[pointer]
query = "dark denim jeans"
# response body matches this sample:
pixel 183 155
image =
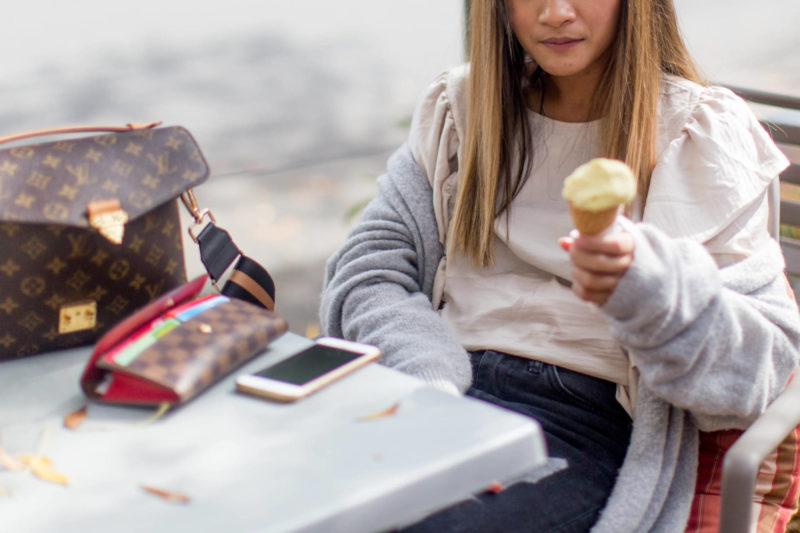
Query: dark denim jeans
pixel 583 424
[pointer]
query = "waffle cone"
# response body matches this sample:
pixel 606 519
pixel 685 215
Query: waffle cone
pixel 592 222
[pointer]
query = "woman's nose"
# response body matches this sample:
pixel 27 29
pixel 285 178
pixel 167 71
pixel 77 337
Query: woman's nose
pixel 557 12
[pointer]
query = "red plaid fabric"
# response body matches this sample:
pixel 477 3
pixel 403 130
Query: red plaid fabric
pixel 777 485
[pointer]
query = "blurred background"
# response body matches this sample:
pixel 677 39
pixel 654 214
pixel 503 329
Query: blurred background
pixel 297 105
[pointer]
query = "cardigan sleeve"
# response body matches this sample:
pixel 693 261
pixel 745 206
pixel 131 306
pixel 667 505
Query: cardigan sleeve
pixel 378 284
pixel 718 342
pixel 703 311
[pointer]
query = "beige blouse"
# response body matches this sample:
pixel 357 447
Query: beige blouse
pixel 711 151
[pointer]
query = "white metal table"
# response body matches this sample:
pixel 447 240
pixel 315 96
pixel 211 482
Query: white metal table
pixel 248 464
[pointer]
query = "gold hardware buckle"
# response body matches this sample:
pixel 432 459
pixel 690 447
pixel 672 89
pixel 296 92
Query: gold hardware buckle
pixel 199 224
pixel 190 202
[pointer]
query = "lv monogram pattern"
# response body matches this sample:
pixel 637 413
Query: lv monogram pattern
pixel 51 266
pixel 50 257
pixel 200 351
pixel 52 183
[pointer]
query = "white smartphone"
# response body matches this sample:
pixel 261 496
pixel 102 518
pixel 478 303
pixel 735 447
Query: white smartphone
pixel 307 371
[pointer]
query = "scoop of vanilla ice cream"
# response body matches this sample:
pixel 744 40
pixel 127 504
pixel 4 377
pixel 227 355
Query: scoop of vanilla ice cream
pixel 599 184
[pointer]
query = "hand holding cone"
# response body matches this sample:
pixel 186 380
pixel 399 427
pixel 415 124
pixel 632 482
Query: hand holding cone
pixel 595 191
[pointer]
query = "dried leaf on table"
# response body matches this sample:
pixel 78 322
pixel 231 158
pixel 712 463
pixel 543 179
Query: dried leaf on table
pixel 312 330
pixel 162 408
pixel 380 414
pixel 42 468
pixel 170 496
pixel 494 487
pixel 8 462
pixel 75 418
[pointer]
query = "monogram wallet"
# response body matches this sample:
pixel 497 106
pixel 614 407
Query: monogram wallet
pixel 177 346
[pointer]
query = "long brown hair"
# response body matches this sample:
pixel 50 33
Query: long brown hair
pixel 496 157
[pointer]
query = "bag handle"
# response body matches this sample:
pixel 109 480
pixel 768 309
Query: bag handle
pixel 80 129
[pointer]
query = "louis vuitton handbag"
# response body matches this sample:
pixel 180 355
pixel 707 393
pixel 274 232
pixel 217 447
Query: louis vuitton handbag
pixel 90 232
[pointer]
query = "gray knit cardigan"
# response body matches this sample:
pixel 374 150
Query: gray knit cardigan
pixel 712 346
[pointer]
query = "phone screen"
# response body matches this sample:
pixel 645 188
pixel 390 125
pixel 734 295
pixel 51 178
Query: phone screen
pixel 308 364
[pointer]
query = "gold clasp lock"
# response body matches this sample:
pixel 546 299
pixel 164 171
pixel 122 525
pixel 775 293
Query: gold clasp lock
pixel 77 316
pixel 108 218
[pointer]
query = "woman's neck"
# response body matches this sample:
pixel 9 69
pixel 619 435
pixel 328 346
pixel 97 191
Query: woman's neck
pixel 566 100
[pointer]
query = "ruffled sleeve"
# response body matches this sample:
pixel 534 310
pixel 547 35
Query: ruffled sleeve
pixel 715 163
pixel 434 139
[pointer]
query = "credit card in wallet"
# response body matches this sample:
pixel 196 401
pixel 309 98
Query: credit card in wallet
pixel 160 328
pixel 112 353
pixel 192 309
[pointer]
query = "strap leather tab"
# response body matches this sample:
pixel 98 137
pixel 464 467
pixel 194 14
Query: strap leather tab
pixel 248 280
pixel 217 250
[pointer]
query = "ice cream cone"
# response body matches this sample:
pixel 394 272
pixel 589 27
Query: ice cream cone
pixel 593 222
pixel 595 191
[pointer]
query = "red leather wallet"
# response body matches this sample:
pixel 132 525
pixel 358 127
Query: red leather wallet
pixel 177 346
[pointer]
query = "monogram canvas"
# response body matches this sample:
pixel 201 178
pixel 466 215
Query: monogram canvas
pixel 199 352
pixel 64 280
pixel 55 267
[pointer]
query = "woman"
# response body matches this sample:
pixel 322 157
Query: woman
pixel 681 323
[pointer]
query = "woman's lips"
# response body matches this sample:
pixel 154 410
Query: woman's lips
pixel 561 43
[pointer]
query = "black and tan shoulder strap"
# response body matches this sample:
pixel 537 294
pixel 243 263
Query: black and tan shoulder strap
pixel 247 279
